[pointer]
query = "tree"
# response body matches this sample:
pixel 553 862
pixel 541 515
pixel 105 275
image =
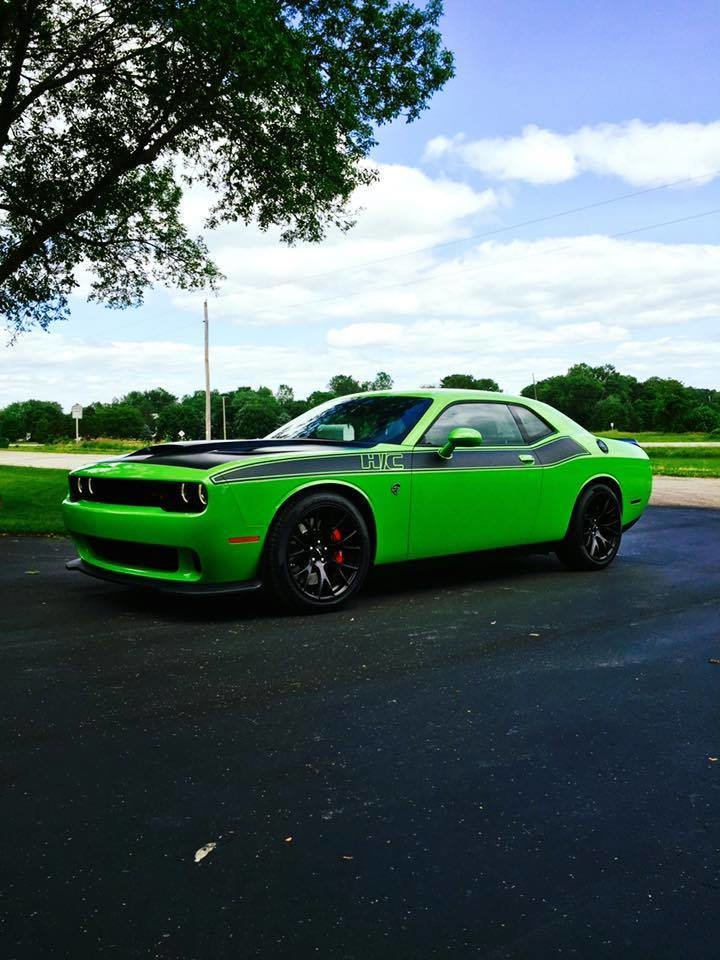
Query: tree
pixel 382 381
pixel 703 417
pixel 272 104
pixel 664 404
pixel 466 381
pixel 341 385
pixel 42 419
pixel 610 411
pixel 118 420
pixel 150 402
pixel 188 415
pixel 285 395
pixel 255 415
pixel 319 396
pixel 486 383
pixel 575 393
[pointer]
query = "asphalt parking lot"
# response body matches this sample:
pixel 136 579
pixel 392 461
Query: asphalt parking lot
pixel 484 757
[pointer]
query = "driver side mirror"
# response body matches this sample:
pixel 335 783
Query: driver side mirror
pixel 460 437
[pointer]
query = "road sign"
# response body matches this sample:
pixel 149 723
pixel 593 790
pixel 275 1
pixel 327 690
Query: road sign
pixel 77 411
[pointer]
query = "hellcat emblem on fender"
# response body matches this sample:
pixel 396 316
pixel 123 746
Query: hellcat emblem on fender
pixel 382 461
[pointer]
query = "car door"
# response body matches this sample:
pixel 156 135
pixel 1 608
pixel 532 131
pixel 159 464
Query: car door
pixel 483 497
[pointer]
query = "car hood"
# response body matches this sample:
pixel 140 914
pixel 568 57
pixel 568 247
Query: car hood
pixel 216 456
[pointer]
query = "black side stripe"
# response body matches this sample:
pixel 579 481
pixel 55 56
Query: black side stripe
pixel 549 454
pixel 557 451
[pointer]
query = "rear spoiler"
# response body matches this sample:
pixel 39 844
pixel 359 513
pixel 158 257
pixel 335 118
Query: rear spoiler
pixel 629 440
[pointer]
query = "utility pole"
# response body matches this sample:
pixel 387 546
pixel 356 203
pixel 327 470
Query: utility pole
pixel 534 387
pixel 224 420
pixel 207 372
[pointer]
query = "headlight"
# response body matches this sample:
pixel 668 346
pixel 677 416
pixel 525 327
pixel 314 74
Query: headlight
pixel 188 498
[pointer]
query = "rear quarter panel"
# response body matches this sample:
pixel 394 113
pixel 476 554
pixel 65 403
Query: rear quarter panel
pixel 626 464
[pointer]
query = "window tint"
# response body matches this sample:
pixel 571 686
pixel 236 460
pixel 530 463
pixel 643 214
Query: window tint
pixel 535 428
pixel 373 419
pixel 494 421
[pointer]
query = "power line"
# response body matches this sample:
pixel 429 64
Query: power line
pixel 480 236
pixel 487 266
pixel 513 226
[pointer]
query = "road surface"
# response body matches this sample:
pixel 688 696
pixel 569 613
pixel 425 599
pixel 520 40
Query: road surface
pixel 480 758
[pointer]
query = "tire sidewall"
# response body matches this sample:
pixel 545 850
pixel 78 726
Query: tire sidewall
pixel 574 546
pixel 276 566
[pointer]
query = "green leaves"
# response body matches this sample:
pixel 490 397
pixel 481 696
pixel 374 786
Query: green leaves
pixel 271 104
pixel 599 396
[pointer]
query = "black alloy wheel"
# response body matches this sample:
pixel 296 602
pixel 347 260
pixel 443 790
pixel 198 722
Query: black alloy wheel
pixel 318 552
pixel 595 531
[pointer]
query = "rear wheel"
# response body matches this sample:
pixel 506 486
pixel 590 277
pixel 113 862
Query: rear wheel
pixel 595 531
pixel 318 553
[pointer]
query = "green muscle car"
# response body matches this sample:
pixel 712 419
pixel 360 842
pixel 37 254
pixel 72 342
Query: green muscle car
pixel 361 480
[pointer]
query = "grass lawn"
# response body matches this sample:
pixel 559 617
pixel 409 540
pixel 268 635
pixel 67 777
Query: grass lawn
pixel 30 500
pixel 85 446
pixel 685 461
pixel 649 437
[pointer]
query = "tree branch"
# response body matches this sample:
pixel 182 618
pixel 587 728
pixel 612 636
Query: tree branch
pixel 54 82
pixel 20 49
pixel 144 154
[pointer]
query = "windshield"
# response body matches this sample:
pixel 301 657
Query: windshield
pixel 363 419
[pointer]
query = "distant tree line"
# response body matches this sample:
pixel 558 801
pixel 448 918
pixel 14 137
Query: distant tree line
pixel 594 396
pixel 158 415
pixel 600 396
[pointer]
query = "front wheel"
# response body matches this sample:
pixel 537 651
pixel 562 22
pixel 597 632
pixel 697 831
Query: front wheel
pixel 318 552
pixel 593 537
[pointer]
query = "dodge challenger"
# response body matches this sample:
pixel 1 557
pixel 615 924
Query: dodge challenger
pixel 360 481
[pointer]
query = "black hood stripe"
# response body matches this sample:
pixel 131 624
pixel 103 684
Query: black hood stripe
pixel 204 455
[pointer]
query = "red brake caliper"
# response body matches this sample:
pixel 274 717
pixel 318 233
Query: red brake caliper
pixel 336 536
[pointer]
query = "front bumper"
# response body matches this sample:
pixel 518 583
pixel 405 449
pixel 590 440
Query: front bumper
pixel 215 548
pixel 163 586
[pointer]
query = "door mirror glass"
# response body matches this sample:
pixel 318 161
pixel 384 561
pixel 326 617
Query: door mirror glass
pixel 460 437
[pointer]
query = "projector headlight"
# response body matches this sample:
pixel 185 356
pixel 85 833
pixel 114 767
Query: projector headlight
pixel 188 498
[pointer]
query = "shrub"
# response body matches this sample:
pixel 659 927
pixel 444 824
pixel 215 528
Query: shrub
pixel 4 443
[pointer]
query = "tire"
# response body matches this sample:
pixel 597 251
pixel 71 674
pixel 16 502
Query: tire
pixel 318 553
pixel 595 530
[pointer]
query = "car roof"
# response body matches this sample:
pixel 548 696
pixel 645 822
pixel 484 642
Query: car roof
pixel 442 393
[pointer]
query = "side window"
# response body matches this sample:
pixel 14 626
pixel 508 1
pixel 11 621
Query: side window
pixel 494 421
pixel 533 426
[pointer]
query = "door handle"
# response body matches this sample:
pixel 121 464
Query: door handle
pixel 526 458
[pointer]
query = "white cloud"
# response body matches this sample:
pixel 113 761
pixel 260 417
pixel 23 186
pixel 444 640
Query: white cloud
pixel 642 154
pixel 405 211
pixel 56 366
pixel 385 296
pixel 549 281
pixel 456 336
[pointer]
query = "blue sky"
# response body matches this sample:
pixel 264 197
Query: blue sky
pixel 554 106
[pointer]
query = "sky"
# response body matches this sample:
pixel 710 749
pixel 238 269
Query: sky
pixel 470 253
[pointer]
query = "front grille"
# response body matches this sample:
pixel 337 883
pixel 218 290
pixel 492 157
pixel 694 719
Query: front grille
pixel 127 553
pixel 170 496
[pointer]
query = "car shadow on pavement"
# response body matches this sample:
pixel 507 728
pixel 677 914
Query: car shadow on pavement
pixel 384 583
pixel 468 570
